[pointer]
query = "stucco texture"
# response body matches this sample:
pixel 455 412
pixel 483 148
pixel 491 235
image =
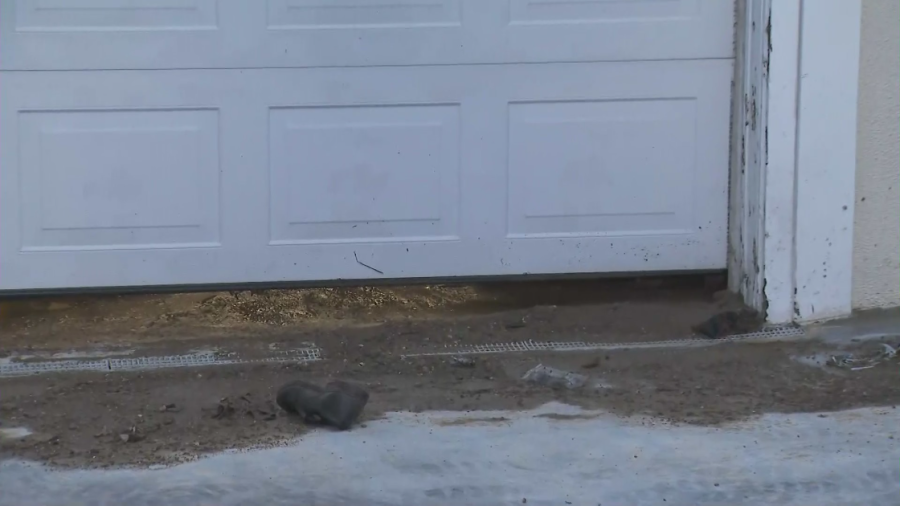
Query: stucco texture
pixel 876 244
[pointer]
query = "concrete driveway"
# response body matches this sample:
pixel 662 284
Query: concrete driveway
pixel 555 455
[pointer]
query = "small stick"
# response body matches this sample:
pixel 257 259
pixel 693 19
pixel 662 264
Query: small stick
pixel 366 265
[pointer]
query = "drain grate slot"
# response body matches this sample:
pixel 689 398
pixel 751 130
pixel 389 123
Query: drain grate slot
pixel 150 363
pixel 132 364
pixel 769 334
pixel 28 368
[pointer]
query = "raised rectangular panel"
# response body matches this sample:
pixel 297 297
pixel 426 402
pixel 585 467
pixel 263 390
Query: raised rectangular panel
pixel 111 15
pixel 601 168
pixel 618 30
pixel 362 13
pixel 581 11
pixel 364 174
pixel 118 179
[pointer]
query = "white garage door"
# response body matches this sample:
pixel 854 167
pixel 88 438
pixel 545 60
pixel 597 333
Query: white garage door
pixel 173 142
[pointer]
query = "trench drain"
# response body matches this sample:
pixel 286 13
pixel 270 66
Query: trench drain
pixel 303 355
pixel 773 333
pixel 150 363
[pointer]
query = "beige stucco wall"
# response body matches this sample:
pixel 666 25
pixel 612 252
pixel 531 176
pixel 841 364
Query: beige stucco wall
pixel 876 244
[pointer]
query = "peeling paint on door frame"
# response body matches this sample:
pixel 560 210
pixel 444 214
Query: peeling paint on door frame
pixel 792 164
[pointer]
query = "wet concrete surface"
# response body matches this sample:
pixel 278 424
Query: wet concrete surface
pixel 555 455
pixel 872 325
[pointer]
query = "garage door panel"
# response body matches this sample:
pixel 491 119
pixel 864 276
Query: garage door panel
pixel 75 15
pixel 170 34
pixel 614 30
pixel 602 167
pixel 319 14
pixel 106 179
pixel 590 11
pixel 400 181
pixel 85 34
pixel 467 179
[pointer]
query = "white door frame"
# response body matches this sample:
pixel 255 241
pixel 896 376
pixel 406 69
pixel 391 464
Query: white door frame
pixel 793 161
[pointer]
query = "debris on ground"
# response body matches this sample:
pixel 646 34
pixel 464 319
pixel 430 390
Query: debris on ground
pixel 555 378
pixel 462 361
pixel 223 409
pixel 864 360
pixel 44 438
pixel 592 364
pixel 729 323
pixel 601 384
pixel 131 436
pixel 338 404
pixel 516 324
pixel 226 408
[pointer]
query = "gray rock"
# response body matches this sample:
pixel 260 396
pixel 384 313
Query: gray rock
pixel 555 378
pixel 338 404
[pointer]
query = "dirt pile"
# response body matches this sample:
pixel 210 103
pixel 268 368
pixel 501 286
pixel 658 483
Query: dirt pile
pixel 284 307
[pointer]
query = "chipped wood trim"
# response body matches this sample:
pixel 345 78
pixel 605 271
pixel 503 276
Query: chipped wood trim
pixel 793 156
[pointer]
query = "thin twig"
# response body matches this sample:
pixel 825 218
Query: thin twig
pixel 366 265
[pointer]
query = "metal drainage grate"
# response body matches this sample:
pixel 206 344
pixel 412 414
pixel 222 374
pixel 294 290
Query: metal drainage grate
pixel 769 334
pixel 290 356
pixel 28 368
pixel 149 363
pixel 195 360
